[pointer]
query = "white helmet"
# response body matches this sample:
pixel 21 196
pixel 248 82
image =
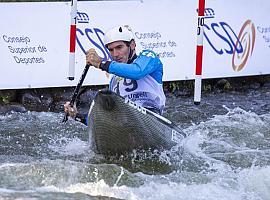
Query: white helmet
pixel 118 33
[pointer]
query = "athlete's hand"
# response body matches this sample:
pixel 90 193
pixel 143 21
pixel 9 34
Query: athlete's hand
pixel 70 110
pixel 92 58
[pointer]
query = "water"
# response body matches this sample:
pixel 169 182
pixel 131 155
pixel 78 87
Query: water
pixel 225 156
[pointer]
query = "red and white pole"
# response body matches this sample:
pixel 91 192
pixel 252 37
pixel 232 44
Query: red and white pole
pixel 72 42
pixel 199 53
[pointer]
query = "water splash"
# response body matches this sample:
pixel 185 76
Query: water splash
pixel 224 157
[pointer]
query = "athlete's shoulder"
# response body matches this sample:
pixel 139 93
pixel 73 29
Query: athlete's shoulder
pixel 149 53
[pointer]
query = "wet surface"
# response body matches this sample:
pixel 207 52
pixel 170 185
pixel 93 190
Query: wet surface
pixel 225 156
pixel 183 110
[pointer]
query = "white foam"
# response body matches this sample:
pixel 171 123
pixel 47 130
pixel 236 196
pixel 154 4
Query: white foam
pixel 248 184
pixel 67 146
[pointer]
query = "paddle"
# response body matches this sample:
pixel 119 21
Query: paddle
pixel 76 91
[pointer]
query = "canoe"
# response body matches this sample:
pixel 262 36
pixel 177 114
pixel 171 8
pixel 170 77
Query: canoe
pixel 118 126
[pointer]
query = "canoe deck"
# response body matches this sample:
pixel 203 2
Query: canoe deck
pixel 118 126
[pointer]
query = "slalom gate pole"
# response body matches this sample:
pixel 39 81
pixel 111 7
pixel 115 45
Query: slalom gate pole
pixel 73 21
pixel 199 53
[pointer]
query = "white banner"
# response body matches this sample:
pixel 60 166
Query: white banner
pixel 237 38
pixel 34 38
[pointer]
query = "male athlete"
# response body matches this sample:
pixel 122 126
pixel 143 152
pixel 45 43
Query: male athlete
pixel 138 78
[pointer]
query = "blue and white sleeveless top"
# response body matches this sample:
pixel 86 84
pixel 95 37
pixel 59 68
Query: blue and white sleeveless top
pixel 140 81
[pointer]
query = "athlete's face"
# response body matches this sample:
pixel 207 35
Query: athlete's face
pixel 120 51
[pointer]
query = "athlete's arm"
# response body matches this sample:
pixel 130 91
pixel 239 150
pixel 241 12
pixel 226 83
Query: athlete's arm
pixel 146 63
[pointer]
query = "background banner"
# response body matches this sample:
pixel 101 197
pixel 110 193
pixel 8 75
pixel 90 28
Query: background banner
pixel 34 38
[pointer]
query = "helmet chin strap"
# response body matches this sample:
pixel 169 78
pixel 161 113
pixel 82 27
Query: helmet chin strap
pixel 131 56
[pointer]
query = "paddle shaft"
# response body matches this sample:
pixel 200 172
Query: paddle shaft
pixel 76 91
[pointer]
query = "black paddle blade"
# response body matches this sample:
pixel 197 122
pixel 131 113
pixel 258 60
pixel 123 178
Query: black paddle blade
pixel 65 118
